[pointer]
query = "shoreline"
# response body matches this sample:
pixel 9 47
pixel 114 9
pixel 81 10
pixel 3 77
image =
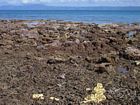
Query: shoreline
pixel 71 21
pixel 66 60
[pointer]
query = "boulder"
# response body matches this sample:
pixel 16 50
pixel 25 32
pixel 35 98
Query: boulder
pixel 132 53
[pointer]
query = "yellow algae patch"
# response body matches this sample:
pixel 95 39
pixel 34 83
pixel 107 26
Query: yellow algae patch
pixel 99 89
pixel 97 94
pixel 38 96
pixel 55 99
pixel 137 63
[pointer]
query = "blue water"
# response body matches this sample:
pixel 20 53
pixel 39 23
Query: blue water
pixel 92 16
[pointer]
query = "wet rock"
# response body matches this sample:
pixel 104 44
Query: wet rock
pixel 123 70
pixel 132 34
pixel 112 39
pixel 104 59
pixel 31 34
pixel 1 44
pixel 62 76
pixel 4 86
pixel 89 59
pixel 56 60
pixel 68 43
pixel 104 68
pixel 55 43
pixel 77 41
pixel 33 24
pixel 40 47
pixel 130 42
pixel 138 98
pixel 90 67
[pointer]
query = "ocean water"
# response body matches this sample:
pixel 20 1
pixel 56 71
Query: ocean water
pixel 90 16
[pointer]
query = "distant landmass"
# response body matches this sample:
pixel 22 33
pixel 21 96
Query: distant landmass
pixel 45 7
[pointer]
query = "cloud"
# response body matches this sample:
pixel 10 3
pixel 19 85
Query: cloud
pixel 72 2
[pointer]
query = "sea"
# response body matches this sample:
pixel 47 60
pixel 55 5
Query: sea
pixel 89 15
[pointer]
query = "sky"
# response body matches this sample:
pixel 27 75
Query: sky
pixel 73 2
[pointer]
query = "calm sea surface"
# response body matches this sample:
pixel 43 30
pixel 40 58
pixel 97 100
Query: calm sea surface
pixel 92 16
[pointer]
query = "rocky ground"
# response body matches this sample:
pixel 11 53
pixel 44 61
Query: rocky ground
pixel 64 61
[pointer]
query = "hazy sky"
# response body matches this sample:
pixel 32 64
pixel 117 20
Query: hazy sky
pixel 74 2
